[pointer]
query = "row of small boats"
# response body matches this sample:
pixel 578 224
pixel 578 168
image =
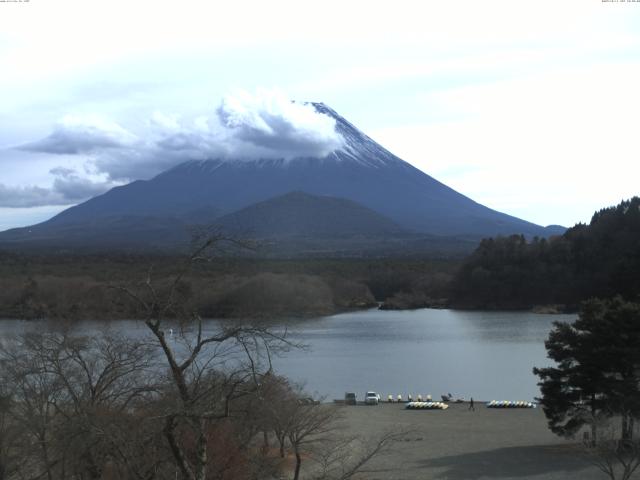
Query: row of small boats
pixel 509 404
pixel 491 404
pixel 427 406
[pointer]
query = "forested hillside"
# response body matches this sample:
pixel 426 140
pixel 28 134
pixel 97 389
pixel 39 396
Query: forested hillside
pixel 601 259
pixel 77 287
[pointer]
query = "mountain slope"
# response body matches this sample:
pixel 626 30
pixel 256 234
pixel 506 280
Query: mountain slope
pixel 299 214
pixel 134 232
pixel 361 171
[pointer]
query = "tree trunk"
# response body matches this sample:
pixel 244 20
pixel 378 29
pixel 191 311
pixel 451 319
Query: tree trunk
pixel 265 442
pixel 296 474
pixel 594 427
pixel 281 441
pixel 90 466
pixel 176 450
pixel 201 451
pixel 45 455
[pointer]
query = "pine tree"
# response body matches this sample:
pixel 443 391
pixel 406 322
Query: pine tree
pixel 598 369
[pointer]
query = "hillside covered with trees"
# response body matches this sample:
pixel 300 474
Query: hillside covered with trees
pixel 601 259
pixel 75 287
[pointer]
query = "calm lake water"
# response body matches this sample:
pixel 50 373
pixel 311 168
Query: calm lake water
pixel 487 355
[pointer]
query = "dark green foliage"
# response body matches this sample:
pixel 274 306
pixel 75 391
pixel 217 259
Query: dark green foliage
pixel 601 259
pixel 598 368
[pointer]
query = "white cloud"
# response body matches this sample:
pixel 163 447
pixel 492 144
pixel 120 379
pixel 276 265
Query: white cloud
pixel 29 196
pixel 165 122
pixel 68 188
pixel 74 188
pixel 82 134
pixel 269 120
pixel 245 126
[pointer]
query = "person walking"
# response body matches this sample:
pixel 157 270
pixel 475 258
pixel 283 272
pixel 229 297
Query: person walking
pixel 471 406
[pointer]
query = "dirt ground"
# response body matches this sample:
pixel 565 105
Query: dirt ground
pixel 458 444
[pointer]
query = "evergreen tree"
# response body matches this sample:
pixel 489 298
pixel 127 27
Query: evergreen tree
pixel 601 259
pixel 598 368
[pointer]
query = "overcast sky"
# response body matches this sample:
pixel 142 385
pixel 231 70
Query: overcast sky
pixel 530 108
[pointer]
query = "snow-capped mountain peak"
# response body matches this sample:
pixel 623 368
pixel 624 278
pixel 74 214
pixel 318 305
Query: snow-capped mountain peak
pixel 357 146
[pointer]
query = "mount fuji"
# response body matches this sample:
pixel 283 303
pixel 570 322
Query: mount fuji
pixel 397 199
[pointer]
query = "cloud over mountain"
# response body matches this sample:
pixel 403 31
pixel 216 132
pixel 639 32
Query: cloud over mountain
pixel 245 126
pixel 28 196
pixel 269 120
pixel 77 134
pixel 74 188
pixel 68 188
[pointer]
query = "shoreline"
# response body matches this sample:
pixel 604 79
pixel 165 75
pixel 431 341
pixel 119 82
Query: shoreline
pixel 286 317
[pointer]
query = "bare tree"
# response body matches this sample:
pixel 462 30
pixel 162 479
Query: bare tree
pixel 310 426
pixel 345 457
pixel 209 366
pixel 615 452
pixel 105 378
pixel 35 392
pixel 9 438
pixel 73 397
pixel 314 430
pixel 277 409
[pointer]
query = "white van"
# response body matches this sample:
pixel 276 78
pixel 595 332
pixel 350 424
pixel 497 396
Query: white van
pixel 372 398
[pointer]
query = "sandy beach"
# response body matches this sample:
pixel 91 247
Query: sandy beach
pixel 458 444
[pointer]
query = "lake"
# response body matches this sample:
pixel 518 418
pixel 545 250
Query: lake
pixel 487 355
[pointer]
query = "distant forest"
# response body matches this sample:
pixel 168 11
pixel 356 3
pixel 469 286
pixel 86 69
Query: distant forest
pixel 74 287
pixel 601 259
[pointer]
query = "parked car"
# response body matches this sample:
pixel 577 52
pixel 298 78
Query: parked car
pixel 372 398
pixel 350 398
